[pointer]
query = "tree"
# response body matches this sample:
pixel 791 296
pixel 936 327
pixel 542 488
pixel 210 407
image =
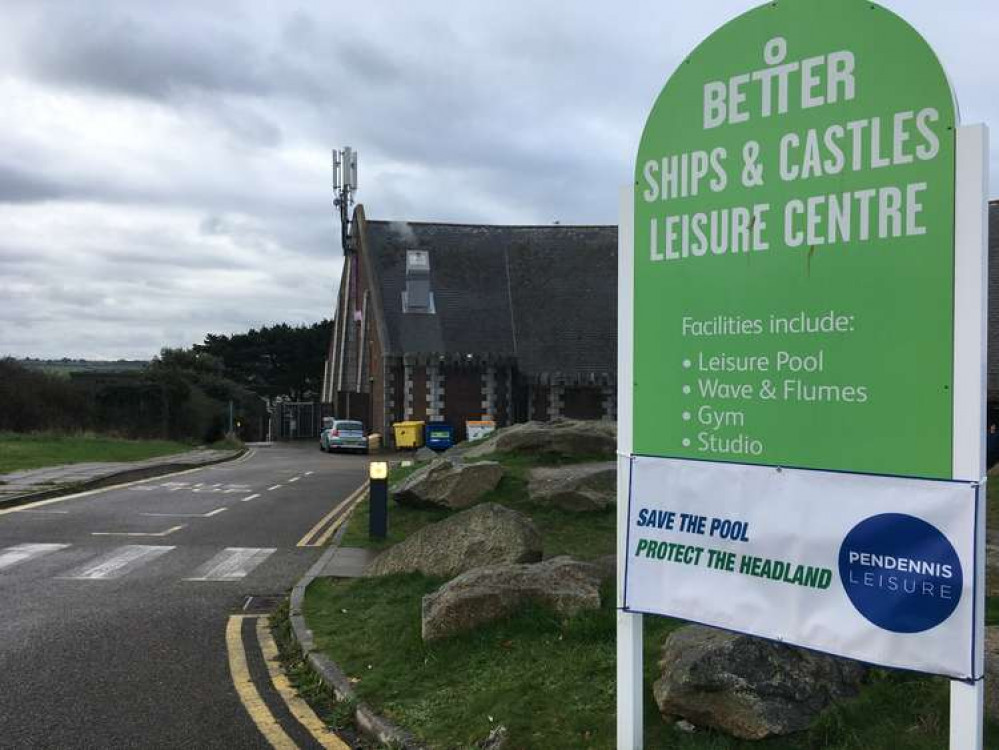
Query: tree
pixel 278 360
pixel 198 394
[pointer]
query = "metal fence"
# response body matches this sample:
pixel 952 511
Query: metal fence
pixel 299 420
pixel 294 420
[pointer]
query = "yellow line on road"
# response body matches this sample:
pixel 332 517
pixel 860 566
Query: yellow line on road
pixel 305 540
pixel 298 707
pixel 247 691
pixel 331 530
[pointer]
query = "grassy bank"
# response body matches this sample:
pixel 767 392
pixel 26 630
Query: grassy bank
pixel 583 535
pixel 19 452
pixel 550 680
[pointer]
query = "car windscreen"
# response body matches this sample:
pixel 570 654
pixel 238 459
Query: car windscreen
pixel 350 426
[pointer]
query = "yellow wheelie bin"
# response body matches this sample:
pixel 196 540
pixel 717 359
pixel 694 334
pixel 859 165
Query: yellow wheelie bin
pixel 408 435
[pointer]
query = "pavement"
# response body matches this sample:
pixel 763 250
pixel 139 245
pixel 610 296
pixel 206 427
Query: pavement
pixel 33 482
pixel 348 562
pixel 130 615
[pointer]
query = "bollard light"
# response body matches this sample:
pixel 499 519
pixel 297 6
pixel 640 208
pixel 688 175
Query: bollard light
pixel 378 500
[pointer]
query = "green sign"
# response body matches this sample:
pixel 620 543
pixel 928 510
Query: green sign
pixel 794 252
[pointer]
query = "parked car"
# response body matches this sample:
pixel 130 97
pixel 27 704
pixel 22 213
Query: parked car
pixel 343 435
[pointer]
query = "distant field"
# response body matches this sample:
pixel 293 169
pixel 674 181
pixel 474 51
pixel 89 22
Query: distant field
pixel 34 451
pixel 64 367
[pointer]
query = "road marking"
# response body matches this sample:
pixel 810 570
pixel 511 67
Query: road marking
pixel 294 479
pixel 246 457
pixel 271 489
pixel 298 707
pixel 309 472
pixel 138 533
pixel 22 552
pixel 200 488
pixel 332 528
pixel 185 515
pixel 46 512
pixel 360 495
pixel 307 540
pixel 118 562
pixel 232 564
pixel 247 691
pixel 123 485
pixel 249 498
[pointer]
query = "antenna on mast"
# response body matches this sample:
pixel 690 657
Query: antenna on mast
pixel 344 187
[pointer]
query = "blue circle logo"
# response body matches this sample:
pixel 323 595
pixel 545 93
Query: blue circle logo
pixel 900 573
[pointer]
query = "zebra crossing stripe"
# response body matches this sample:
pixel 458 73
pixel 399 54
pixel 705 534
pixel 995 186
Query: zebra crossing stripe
pixel 21 552
pixel 118 562
pixel 232 564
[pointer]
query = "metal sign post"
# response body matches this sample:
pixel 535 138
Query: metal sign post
pixel 629 624
pixel 971 275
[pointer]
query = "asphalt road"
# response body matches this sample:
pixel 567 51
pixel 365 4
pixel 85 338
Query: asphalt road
pixel 113 619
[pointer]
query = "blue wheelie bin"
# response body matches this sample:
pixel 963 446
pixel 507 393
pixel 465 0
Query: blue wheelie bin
pixel 439 436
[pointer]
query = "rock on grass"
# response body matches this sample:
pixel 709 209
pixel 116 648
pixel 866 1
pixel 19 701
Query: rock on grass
pixel 577 488
pixel 748 687
pixel 446 484
pixel 486 594
pixel 487 534
pixel 565 438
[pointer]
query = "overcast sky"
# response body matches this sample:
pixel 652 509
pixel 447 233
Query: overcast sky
pixel 164 167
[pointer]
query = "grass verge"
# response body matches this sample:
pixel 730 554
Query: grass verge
pixel 337 715
pixel 230 443
pixel 550 681
pixel 19 452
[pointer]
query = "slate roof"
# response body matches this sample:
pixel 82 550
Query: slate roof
pixel 545 296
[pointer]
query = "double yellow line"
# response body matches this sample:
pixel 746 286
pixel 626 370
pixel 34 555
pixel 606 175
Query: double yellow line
pixel 255 706
pixel 319 534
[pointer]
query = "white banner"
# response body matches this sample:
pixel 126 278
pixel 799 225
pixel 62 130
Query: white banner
pixel 878 569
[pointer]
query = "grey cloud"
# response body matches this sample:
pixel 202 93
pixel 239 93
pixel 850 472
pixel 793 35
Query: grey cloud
pixel 118 50
pixel 18 186
pixel 218 219
pixel 368 63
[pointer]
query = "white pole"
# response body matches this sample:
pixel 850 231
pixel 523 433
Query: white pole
pixel 970 345
pixel 629 626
